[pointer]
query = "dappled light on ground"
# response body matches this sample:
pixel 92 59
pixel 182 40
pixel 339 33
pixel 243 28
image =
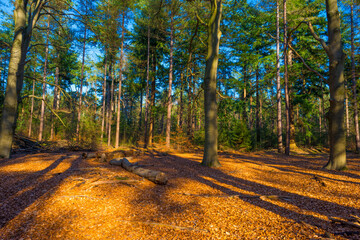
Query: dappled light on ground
pixel 252 196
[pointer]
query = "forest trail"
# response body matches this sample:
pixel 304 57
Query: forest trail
pixel 260 195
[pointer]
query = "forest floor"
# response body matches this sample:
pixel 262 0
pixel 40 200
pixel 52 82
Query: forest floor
pixel 260 195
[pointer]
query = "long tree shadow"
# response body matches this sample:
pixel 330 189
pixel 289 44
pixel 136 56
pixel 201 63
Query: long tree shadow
pixel 179 167
pixel 10 209
pixel 7 191
pixel 314 163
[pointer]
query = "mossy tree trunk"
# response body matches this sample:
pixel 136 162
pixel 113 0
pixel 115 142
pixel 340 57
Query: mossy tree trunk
pixel 211 132
pixel 22 36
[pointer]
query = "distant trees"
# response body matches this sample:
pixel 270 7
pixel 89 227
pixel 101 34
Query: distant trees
pixel 156 72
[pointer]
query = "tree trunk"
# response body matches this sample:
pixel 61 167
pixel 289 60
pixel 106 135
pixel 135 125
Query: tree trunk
pixel 110 109
pixel 356 113
pixel 146 134
pixel 152 175
pixel 337 160
pixel 104 102
pixel 152 103
pixel 278 81
pixel 257 113
pixel 347 114
pixel 52 132
pixel 42 114
pixel 117 137
pixel 211 132
pixel 32 101
pixel 81 89
pixel 169 104
pixel 286 83
pixel 22 37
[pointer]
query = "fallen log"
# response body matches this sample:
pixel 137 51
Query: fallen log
pixel 152 175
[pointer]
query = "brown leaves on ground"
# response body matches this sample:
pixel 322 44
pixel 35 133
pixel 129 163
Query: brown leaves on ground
pixel 252 196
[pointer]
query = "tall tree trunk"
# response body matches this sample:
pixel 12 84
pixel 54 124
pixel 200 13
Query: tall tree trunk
pixel 181 107
pixel 257 113
pixel 347 120
pixel 211 132
pixel 117 137
pixel 337 159
pixel 32 100
pixel 55 104
pixel 111 103
pixel 356 109
pixel 146 134
pixel 24 25
pixel 286 83
pixel 81 89
pixel 152 103
pixel 278 81
pixel 42 114
pixel 169 104
pixel 104 101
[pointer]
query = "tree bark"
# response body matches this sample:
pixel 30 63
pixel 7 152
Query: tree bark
pixel 211 132
pixel 117 137
pixel 22 36
pixel 52 132
pixel 42 114
pixel 169 104
pixel 104 101
pixel 32 102
pixel 353 75
pixel 152 175
pixel 278 81
pixel 146 134
pixel 286 83
pixel 81 88
pixel 337 159
pixel 110 108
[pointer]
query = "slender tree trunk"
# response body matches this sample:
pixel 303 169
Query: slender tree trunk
pixel 152 104
pixel 146 134
pixel 320 117
pixel 181 108
pixel 104 101
pixel 257 113
pixel 278 81
pixel 211 132
pixel 81 89
pixel 169 104
pixel 111 104
pixel 356 109
pixel 117 137
pixel 337 160
pixel 32 101
pixel 347 114
pixel 286 83
pixel 55 104
pixel 42 114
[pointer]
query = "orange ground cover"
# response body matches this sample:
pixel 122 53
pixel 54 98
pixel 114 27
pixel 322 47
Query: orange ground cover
pixel 260 195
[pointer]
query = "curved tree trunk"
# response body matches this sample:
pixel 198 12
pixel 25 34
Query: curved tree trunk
pixel 22 36
pixel 211 132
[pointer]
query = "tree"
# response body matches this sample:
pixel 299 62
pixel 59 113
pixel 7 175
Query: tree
pixel 213 42
pixel 26 15
pixel 334 50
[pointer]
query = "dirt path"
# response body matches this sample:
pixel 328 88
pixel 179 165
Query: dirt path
pixel 252 196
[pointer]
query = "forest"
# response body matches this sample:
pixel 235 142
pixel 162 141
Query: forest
pixel 175 111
